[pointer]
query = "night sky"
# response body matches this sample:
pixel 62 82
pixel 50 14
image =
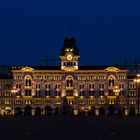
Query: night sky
pixel 107 31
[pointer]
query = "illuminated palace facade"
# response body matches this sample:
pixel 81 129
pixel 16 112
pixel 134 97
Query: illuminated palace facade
pixel 96 90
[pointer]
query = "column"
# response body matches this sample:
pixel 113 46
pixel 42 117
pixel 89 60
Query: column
pixel 2 112
pixel 33 112
pixel 23 111
pixel 43 112
pixel 136 111
pixel 13 112
pixel 126 112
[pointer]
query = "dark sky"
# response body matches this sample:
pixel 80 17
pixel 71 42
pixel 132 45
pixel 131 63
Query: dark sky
pixel 107 31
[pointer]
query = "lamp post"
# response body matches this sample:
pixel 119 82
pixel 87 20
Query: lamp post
pixel 137 81
pixel 14 91
pixel 106 103
pixel 121 94
pixel 116 90
pixel 76 109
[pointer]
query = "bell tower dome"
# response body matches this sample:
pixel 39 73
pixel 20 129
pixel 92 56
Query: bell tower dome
pixel 69 55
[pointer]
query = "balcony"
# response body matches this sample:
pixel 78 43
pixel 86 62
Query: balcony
pixel 37 101
pixel 70 97
pixel 27 97
pixel 91 97
pixel 69 88
pixel 81 97
pixel 57 97
pixel 111 97
pixel 111 87
pixel 28 87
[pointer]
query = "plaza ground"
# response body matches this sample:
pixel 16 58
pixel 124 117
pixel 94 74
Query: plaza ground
pixel 69 128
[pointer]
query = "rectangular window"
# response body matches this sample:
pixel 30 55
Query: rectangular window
pixel 7 93
pixel 47 93
pixel 7 102
pixel 7 86
pixel 101 86
pixel 91 86
pixel 81 86
pixel 132 86
pixel 28 92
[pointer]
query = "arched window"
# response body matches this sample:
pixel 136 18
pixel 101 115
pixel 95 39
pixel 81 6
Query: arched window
pixel 69 81
pixel 47 93
pixel 81 93
pixel 101 93
pixel 111 80
pixel 38 94
pixel 28 81
pixel 70 93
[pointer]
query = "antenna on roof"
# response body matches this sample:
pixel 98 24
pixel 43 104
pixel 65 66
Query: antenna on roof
pixel 48 60
pixel 69 30
pixel 125 63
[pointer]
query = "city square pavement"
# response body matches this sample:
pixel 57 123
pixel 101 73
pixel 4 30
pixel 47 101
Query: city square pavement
pixel 68 127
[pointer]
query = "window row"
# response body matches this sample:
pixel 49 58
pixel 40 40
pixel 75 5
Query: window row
pixel 69 64
pixel 132 93
pixel 39 77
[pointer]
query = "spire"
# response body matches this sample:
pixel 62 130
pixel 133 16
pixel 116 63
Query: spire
pixel 70 43
pixel 69 30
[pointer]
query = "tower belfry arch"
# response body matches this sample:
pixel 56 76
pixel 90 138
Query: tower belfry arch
pixel 69 54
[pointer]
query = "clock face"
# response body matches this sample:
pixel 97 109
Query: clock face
pixel 69 57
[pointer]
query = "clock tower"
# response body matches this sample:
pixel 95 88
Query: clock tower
pixel 69 55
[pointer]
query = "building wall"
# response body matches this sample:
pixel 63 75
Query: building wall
pixel 5 96
pixel 86 89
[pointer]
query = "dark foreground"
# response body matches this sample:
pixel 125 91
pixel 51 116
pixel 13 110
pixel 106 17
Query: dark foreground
pixel 69 128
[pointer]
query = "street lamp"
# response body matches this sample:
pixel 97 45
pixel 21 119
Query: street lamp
pixel 122 95
pixel 137 81
pixel 14 91
pixel 106 103
pixel 116 90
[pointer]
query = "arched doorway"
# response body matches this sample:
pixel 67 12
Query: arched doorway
pixel 81 111
pixel 111 110
pixel 71 110
pixel 28 111
pixel 65 106
pixel 48 110
pixel 8 111
pixel 121 111
pixel 18 111
pixel 38 111
pixel 101 111
pixel 56 111
pixel 132 111
pixel 91 110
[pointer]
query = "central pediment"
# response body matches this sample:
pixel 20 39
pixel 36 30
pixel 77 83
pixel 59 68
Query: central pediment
pixel 27 69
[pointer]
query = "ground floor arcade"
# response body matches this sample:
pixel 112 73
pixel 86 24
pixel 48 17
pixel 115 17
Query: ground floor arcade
pixel 75 110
